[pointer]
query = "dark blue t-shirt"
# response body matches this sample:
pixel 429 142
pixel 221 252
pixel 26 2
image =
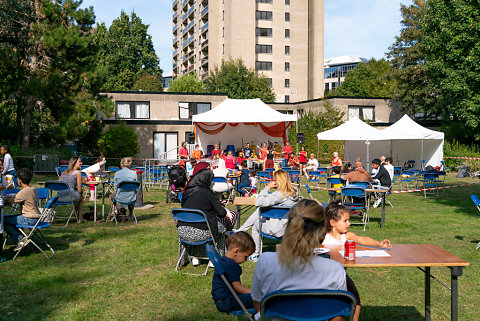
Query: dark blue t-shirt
pixel 232 273
pixel 244 178
pixel 248 152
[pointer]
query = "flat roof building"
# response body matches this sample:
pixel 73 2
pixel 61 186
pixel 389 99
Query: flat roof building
pixel 281 39
pixel 337 68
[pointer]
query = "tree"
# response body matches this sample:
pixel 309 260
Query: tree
pixel 148 83
pixel 372 79
pixel 126 52
pixel 48 49
pixel 237 81
pixel 119 141
pixel 437 58
pixel 188 83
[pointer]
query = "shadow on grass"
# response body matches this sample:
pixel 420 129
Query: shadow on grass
pixel 381 313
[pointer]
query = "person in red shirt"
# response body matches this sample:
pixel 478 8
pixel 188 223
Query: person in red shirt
pixel 263 151
pixel 302 155
pixel 183 151
pixel 216 151
pixel 230 160
pixel 287 151
pixel 336 161
pixel 240 158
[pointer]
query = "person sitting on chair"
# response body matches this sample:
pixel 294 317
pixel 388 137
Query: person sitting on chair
pixel 125 174
pixel 312 165
pixel 382 178
pixel 358 174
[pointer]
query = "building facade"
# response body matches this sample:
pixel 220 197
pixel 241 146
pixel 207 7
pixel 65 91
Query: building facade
pixel 336 69
pixel 282 39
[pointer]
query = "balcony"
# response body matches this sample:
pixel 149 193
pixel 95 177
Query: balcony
pixel 175 40
pixel 175 26
pixel 174 3
pixel 204 61
pixel 204 44
pixel 174 53
pixel 175 15
pixel 205 27
pixel 185 30
pixel 184 3
pixel 188 13
pixel 204 11
pixel 185 43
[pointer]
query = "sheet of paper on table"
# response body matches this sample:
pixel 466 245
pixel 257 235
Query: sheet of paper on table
pixel 368 253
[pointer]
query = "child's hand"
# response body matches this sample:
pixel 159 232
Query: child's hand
pixel 385 243
pixel 272 184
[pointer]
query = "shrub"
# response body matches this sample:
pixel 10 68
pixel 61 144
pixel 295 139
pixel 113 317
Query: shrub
pixel 119 141
pixel 455 149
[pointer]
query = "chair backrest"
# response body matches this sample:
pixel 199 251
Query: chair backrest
pixel 189 215
pixel 475 200
pixel 264 174
pixel 10 191
pixel 56 186
pixel 63 168
pixel 52 202
pixel 308 304
pixel 314 173
pixel 287 169
pixel 277 212
pixel 220 180
pixel 270 170
pixel 430 176
pixel 43 193
pixel 129 185
pixel 397 169
pixel 355 191
pixel 364 184
pixel 113 169
pixel 334 180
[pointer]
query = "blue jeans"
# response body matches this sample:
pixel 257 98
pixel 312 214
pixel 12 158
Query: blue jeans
pixel 240 187
pixel 10 222
pixel 229 304
pixel 12 172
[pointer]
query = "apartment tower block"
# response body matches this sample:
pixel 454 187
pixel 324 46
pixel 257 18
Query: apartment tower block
pixel 282 39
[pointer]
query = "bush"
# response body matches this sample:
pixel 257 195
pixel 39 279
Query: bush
pixel 119 141
pixel 455 149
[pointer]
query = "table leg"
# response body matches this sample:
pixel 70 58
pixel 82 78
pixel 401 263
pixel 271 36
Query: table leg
pixel 239 212
pixel 95 204
pixel 103 203
pixel 427 293
pixel 456 271
pixel 382 223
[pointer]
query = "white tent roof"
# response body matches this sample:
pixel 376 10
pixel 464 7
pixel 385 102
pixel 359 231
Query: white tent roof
pixel 354 129
pixel 243 111
pixel 406 128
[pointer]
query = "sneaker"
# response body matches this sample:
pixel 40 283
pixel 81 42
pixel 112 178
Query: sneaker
pixel 21 244
pixel 195 262
pixel 377 202
pixel 210 264
pixel 253 258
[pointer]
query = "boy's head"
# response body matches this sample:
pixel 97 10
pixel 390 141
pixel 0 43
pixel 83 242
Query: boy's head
pixel 240 246
pixel 244 163
pixel 24 175
pixel 5 149
pixel 376 163
pixel 337 169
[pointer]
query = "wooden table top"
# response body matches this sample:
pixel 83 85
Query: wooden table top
pixel 421 255
pixel 243 201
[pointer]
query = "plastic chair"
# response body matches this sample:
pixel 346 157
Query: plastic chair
pixel 264 177
pixel 43 195
pixel 272 212
pixel 58 186
pixel 189 215
pixel 409 164
pixel 333 181
pixel 113 169
pixel 307 305
pixel 357 199
pixel 214 257
pixel 430 180
pixel 295 177
pixel 443 168
pixel 230 148
pixel 126 186
pixel 476 201
pixel 228 187
pixel 409 180
pixel 363 184
pixel 35 230
pixel 314 177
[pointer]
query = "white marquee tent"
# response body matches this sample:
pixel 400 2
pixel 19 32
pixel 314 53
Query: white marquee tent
pixel 238 121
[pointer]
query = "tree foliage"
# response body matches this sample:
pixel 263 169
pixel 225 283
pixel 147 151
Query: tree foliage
pixel 237 81
pixel 315 120
pixel 148 83
pixel 126 52
pixel 187 83
pixel 437 56
pixel 119 141
pixel 372 79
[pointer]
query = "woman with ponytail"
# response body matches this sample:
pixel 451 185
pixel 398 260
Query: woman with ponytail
pixel 295 266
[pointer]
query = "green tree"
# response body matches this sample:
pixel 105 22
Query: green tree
pixel 372 79
pixel 188 83
pixel 315 120
pixel 148 83
pixel 48 49
pixel 237 81
pixel 119 141
pixel 437 57
pixel 126 52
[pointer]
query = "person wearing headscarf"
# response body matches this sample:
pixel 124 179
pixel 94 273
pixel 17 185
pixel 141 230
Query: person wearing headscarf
pixel 221 171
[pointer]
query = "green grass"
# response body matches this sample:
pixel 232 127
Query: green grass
pixel 105 272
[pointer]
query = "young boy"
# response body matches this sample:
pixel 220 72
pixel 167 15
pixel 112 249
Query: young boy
pixel 239 247
pixel 28 198
pixel 244 179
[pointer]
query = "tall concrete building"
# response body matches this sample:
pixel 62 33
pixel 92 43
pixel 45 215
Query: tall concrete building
pixel 282 39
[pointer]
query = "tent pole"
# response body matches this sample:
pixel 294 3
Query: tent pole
pixel 367 142
pixel 296 129
pixel 422 158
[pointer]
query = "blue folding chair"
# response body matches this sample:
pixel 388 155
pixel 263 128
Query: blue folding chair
pixel 430 180
pixel 309 191
pixel 43 196
pixel 272 212
pixel 264 177
pixel 357 199
pixel 35 230
pixel 62 188
pixel 307 305
pixel 189 215
pixel 295 177
pixel 422 164
pixel 214 257
pixel 408 179
pixel 287 169
pixel 314 177
pixel 130 186
pixel 363 184
pixel 113 169
pixel 476 201
pixel 333 181
pixel 443 167
pixel 228 188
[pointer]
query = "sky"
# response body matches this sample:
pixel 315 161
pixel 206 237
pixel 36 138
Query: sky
pixel 364 28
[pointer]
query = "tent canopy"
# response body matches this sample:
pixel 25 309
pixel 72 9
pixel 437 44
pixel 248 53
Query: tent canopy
pixel 238 121
pixel 354 129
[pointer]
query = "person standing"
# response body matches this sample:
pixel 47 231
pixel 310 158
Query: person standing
pixel 8 168
pixel 302 157
pixel 286 151
pixel 183 151
pixel 247 151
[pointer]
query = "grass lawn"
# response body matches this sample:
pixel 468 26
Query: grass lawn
pixel 105 272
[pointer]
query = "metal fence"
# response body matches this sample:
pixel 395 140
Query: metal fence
pixel 45 163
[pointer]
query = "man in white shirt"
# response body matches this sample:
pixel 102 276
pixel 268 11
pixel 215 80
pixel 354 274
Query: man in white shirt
pixel 389 167
pixel 312 165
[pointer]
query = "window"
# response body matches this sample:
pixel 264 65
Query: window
pixel 263 49
pixel 287 98
pixel 362 112
pixel 287 16
pixel 287 50
pixel 164 145
pixel 263 65
pixel 187 110
pixel 263 15
pixel 287 2
pixel 287 83
pixel 327 86
pixel 132 109
pixel 263 32
pixel 287 33
pixel 287 66
pixel 264 1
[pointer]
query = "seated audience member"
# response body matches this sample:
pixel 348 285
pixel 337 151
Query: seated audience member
pixel 285 195
pixel 221 171
pixel 244 179
pixel 190 166
pixel 389 167
pixel 358 174
pixel 294 266
pixel 128 175
pixel 336 161
pixel 382 178
pixel 197 153
pixel 336 174
pixel 183 152
pixel 287 150
pixel 28 199
pixel 347 168
pixel 217 151
pixel 239 247
pixel 241 157
pixel 198 195
pixel 230 160
pixel 293 162
pixel 312 165
pixel 73 178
